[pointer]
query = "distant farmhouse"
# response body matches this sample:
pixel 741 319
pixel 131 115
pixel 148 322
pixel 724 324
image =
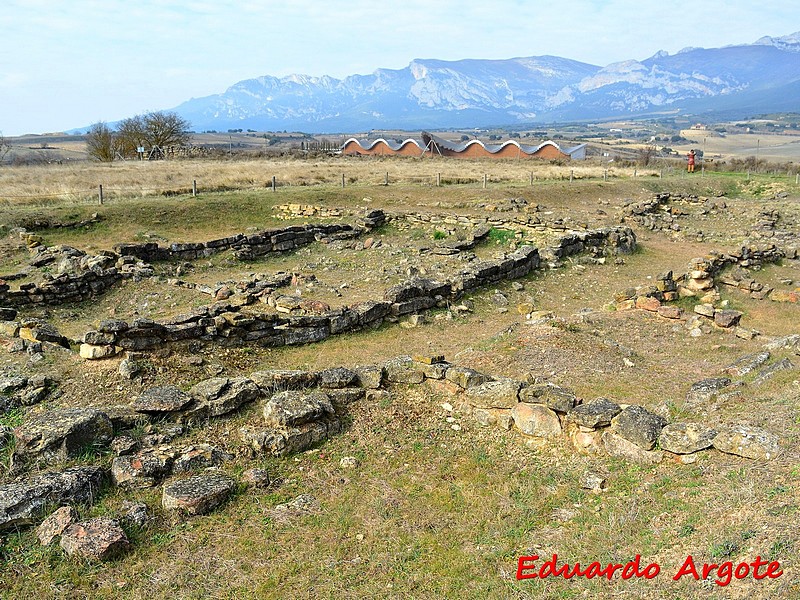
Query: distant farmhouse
pixel 432 145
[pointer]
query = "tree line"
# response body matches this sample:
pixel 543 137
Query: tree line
pixel 149 131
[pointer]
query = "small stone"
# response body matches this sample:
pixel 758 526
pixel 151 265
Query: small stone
pixel 54 525
pixel 349 462
pixel 593 481
pixel 198 495
pixel 98 539
pixel 257 478
pixel 727 318
pixel 638 425
pixel 135 513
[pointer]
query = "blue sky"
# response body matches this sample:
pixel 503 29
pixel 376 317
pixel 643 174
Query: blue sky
pixel 70 63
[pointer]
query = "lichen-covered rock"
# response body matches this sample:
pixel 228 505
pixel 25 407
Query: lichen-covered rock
pixel 370 376
pixel 278 380
pixel 706 390
pixel 554 397
pixel 22 502
pixel 63 432
pixel 403 369
pixel 616 445
pixel 685 438
pixel 595 413
pixel 55 524
pixel 727 318
pixel 337 377
pixel 465 377
pixel 98 539
pixel 746 364
pixel 291 408
pixel 746 441
pixel 638 425
pixel 92 352
pixel 222 395
pixel 198 495
pixel 162 399
pixel 143 469
pixel 503 393
pixel 536 420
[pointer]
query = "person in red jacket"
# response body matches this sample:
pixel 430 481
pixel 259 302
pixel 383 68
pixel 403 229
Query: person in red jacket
pixel 690 157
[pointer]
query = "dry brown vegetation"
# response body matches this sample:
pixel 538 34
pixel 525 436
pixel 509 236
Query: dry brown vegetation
pixel 431 512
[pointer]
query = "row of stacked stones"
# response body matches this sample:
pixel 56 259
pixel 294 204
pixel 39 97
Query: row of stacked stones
pixel 244 246
pixel 79 277
pixel 225 323
pixel 700 282
pixel 654 213
pixel 298 409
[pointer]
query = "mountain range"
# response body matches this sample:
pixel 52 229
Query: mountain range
pixel 729 82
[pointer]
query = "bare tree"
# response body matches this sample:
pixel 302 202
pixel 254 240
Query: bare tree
pixel 160 129
pixel 130 135
pixel 100 143
pixel 5 147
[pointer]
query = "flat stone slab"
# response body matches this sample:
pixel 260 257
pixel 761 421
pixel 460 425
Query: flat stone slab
pixel 595 413
pixel 686 438
pixel 162 399
pixel 98 539
pixel 748 442
pixel 222 395
pixel 292 408
pixel 746 364
pixel 198 495
pixel 554 397
pixel 638 425
pixel 22 502
pixel 64 432
pixel 706 390
pixel 503 393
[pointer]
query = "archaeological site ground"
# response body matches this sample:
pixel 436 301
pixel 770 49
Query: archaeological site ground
pixel 398 379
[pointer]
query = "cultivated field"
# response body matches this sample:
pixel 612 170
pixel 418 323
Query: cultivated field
pixel 440 500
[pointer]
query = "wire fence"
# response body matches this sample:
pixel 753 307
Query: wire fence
pixel 101 193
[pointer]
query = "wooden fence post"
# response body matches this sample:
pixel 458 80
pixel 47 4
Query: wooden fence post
pixel 342 179
pixel 101 194
pixel 571 175
pixel 605 174
pixel 531 178
pixel 274 184
pixel 386 179
pixel 484 181
pixel 194 188
pixel 438 180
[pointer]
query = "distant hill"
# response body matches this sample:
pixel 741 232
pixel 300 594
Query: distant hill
pixel 734 81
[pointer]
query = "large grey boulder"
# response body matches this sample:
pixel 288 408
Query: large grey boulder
pixel 63 432
pixel 638 425
pixel 706 390
pixel 595 413
pixel 162 399
pixel 503 393
pixel 553 396
pixel 292 408
pixel 222 395
pixel 536 420
pixel 22 502
pixel 746 441
pixel 97 539
pixel 685 438
pixel 747 363
pixel 277 380
pixel 616 445
pixel 199 494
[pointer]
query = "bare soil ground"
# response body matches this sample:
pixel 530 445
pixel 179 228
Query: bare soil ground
pixel 432 511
